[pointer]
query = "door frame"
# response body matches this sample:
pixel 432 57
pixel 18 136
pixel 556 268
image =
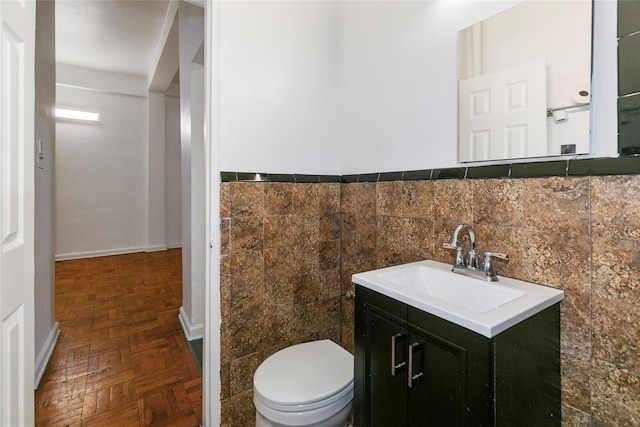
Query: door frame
pixel 211 407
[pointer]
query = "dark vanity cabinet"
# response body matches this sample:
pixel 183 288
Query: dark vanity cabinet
pixel 416 369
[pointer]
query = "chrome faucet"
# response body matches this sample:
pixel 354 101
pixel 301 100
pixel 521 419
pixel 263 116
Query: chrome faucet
pixel 471 266
pixel 472 257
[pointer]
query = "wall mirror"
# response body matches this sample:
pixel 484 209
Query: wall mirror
pixel 524 82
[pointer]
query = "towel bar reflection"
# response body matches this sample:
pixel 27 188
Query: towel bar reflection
pixel 565 107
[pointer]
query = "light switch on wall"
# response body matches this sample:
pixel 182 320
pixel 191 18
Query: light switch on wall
pixel 39 152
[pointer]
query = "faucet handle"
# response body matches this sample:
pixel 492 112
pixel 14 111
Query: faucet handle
pixel 489 271
pixel 460 261
pixel 496 255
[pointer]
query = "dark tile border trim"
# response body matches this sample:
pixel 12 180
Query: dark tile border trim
pixel 623 165
pixel 494 171
pixel 277 177
pixel 419 175
pixel 539 170
pixel 390 176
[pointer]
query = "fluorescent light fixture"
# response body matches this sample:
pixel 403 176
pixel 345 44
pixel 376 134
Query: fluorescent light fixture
pixel 77 115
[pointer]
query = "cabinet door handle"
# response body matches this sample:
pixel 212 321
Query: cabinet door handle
pixel 411 376
pixel 395 366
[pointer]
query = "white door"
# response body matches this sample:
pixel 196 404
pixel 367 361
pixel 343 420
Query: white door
pixel 17 27
pixel 503 115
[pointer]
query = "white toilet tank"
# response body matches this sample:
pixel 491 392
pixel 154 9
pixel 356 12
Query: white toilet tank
pixel 309 384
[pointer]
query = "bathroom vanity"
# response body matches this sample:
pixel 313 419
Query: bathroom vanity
pixel 416 368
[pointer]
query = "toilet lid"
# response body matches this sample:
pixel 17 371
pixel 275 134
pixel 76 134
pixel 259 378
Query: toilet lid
pixel 304 374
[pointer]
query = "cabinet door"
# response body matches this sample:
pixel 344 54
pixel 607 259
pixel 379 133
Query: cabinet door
pixel 385 370
pixel 436 380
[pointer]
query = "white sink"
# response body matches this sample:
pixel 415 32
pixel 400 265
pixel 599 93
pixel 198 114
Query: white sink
pixel 461 291
pixel 487 308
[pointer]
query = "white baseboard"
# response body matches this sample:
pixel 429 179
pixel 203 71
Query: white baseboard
pixel 174 245
pixel 45 354
pixel 108 252
pixel 191 332
pixel 95 254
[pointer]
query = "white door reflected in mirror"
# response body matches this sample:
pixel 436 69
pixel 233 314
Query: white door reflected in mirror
pixel 502 115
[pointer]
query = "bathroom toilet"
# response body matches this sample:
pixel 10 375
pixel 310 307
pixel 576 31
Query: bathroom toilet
pixel 308 384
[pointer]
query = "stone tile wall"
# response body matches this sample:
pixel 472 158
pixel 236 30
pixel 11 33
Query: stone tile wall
pixel 280 279
pixel 580 234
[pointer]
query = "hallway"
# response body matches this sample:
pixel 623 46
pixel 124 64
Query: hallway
pixel 122 358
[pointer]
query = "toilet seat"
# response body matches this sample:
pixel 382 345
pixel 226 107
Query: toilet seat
pixel 304 377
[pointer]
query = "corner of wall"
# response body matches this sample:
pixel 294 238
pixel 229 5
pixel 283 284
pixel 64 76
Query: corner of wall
pixel 45 354
pixel 191 331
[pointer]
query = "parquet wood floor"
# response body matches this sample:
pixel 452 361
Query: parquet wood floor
pixel 122 358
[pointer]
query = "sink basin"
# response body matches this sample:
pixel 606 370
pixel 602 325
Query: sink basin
pixel 487 308
pixel 461 291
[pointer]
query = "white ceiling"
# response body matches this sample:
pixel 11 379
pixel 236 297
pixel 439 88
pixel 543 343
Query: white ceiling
pixel 111 35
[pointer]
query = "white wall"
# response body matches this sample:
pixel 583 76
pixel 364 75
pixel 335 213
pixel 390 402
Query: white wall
pixel 191 38
pixel 279 87
pixel 172 173
pixel 46 328
pixel 101 175
pixel 604 87
pixel 388 69
pixel 397 85
pixel 71 75
pixel 111 179
pixel 192 310
pixel 156 169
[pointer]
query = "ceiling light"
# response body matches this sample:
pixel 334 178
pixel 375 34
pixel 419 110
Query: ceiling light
pixel 77 115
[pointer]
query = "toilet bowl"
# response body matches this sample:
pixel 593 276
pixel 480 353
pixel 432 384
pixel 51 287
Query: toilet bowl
pixel 308 385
